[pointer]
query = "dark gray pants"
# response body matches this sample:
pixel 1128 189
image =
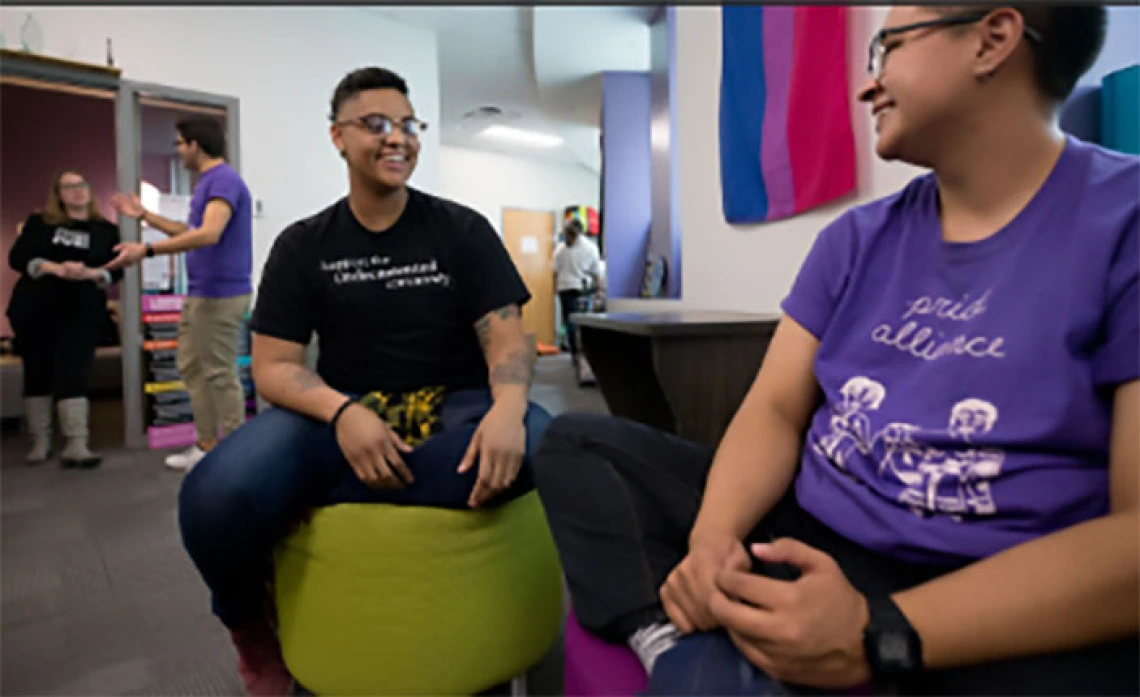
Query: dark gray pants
pixel 569 300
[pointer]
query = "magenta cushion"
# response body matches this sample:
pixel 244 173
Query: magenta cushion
pixel 595 668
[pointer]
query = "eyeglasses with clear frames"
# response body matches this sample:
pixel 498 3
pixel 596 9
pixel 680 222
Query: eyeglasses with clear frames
pixel 381 125
pixel 877 52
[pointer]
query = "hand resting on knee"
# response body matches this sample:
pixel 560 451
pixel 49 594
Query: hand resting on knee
pixel 372 448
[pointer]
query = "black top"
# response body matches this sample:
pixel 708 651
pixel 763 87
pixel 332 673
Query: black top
pixel 49 298
pixel 393 310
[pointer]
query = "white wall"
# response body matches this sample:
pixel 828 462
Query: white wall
pixel 281 63
pixel 1120 45
pixel 750 267
pixel 490 182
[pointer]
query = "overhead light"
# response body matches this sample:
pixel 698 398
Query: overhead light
pixel 521 137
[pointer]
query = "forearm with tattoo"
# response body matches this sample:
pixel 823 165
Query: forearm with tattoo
pixel 510 360
pixel 483 325
pixel 516 369
pixel 295 387
pixel 303 380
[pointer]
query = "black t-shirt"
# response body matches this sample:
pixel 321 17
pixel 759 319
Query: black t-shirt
pixel 393 310
pixel 49 299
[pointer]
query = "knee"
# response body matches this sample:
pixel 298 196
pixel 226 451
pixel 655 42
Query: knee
pixel 221 375
pixel 565 435
pixel 537 421
pixel 707 664
pixel 213 496
pixel 572 430
pixel 220 495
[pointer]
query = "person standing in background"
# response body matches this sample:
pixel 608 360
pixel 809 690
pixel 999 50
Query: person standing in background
pixel 57 312
pixel 576 263
pixel 218 240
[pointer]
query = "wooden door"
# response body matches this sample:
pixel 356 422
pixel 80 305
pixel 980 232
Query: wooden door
pixel 529 237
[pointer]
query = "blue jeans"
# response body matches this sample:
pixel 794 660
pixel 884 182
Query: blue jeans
pixel 249 491
pixel 709 664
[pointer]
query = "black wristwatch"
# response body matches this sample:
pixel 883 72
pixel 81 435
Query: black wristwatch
pixel 149 250
pixel 893 648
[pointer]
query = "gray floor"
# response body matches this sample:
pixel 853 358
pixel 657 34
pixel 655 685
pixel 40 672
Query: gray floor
pixel 98 597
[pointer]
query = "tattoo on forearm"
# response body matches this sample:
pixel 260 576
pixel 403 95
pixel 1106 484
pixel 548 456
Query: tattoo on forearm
pixel 515 369
pixel 305 380
pixel 483 325
pixel 518 365
pixel 507 311
pixel 483 331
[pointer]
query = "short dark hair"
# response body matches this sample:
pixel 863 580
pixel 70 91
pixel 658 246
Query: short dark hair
pixel 205 131
pixel 1072 37
pixel 573 224
pixel 361 79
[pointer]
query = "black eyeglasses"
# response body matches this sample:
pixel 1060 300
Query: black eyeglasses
pixel 877 52
pixel 381 125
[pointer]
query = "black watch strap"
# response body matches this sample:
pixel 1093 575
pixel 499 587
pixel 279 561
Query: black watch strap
pixel 893 647
pixel 149 249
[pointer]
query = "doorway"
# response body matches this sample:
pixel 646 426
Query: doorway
pixel 133 144
pixel 155 404
pixel 529 238
pixel 46 126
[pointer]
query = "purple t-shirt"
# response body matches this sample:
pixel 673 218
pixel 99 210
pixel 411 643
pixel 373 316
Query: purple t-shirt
pixel 222 270
pixel 968 387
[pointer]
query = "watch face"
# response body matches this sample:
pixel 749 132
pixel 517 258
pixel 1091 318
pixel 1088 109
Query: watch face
pixel 895 651
pixel 894 648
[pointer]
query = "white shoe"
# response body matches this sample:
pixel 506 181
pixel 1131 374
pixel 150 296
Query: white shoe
pixel 652 641
pixel 185 460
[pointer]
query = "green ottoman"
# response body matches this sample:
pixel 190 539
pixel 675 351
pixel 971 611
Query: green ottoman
pixel 375 599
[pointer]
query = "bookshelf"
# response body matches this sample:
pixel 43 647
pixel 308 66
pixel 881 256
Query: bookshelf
pixel 169 420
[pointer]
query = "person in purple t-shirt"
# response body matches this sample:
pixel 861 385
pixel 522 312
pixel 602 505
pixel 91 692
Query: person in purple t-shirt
pixel 932 485
pixel 218 241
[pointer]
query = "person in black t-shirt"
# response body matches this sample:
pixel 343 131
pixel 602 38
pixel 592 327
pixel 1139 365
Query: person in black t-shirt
pixel 58 310
pixel 420 392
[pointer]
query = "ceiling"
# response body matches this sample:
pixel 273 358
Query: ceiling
pixel 540 66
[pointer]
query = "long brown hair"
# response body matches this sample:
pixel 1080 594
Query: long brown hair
pixel 55 213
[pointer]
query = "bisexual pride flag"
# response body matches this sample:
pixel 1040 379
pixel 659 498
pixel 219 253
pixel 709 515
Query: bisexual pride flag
pixel 785 121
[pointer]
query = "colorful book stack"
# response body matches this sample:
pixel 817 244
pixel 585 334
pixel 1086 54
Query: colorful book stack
pixel 170 421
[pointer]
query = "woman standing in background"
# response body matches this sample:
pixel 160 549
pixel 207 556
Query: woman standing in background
pixel 57 310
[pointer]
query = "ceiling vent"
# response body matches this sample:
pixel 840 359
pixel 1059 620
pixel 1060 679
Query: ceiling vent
pixel 486 115
pixel 485 112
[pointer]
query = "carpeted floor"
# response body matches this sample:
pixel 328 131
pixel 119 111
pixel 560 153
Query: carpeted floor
pixel 98 597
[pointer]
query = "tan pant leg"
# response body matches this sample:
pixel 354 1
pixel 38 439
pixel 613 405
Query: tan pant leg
pixel 192 344
pixel 224 317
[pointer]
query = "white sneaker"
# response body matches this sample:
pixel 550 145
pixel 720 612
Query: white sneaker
pixel 185 460
pixel 651 641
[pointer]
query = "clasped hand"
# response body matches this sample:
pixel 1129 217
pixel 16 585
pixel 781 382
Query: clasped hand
pixel 805 632
pixel 71 271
